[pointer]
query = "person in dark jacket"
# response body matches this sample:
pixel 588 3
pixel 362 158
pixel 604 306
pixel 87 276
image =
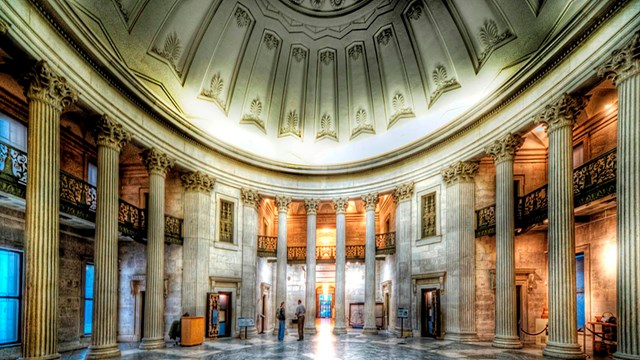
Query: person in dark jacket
pixel 281 320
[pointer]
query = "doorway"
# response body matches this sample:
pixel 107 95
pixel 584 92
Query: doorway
pixel 325 295
pixel 519 309
pixel 264 311
pixel 430 313
pixel 142 315
pixel 580 293
pixel 219 314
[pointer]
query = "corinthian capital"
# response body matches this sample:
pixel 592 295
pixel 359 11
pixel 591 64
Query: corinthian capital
pixel 341 204
pixel 311 205
pixel 505 148
pixel 4 27
pixel 282 202
pixel 403 192
pixel 42 84
pixel 108 132
pixel 370 201
pixel 197 181
pixel 460 171
pixel 562 112
pixel 624 62
pixel 156 162
pixel 250 197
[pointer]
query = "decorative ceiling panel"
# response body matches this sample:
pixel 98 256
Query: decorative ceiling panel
pixel 295 90
pixel 327 95
pixel 358 83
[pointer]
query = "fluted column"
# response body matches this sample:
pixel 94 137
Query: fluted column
pixel 370 201
pixel 158 164
pixel 110 137
pixel 623 67
pixel 340 205
pixel 503 152
pixel 559 118
pixel 311 205
pixel 48 94
pixel 282 202
pixel 402 197
pixel 249 299
pixel 461 279
pixel 195 249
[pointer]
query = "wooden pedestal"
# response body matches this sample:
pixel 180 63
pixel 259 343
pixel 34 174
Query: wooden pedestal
pixel 191 330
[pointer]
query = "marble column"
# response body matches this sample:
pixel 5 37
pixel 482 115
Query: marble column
pixel 370 201
pixel 110 138
pixel 158 164
pixel 460 324
pixel 197 237
pixel 249 299
pixel 311 205
pixel 282 203
pixel 503 152
pixel 623 68
pixel 559 118
pixel 402 196
pixel 48 94
pixel 340 205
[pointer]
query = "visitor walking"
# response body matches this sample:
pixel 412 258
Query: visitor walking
pixel 300 315
pixel 281 319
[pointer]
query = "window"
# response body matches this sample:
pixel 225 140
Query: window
pixel 226 221
pixel 10 296
pixel 428 215
pixel 92 174
pixel 13 133
pixel 580 299
pixel 89 272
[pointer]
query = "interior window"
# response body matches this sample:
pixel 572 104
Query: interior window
pixel 13 133
pixel 89 272
pixel 10 295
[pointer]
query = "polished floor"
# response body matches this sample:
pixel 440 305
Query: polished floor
pixel 325 345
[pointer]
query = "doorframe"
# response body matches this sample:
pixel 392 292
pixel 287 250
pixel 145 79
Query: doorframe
pixel 387 292
pixel 586 250
pixel 265 297
pixel 332 292
pixel 428 281
pixel 228 285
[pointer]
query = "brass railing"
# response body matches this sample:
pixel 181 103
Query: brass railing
pixel 591 181
pixel 386 243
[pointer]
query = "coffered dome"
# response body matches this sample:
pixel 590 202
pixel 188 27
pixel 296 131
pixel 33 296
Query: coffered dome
pixel 321 84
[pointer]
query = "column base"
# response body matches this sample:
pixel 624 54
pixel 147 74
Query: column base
pixel 406 332
pixel 462 337
pixel 103 352
pixel 619 355
pixel 251 332
pixel 507 342
pixel 45 357
pixel 310 330
pixel 370 330
pixel 150 344
pixel 339 330
pixel 563 351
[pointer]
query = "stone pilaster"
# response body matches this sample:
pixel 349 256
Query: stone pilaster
pixel 340 205
pixel 559 118
pixel 110 138
pixel 48 94
pixel 370 201
pixel 249 299
pixel 282 203
pixel 197 237
pixel 402 196
pixel 460 280
pixel 311 205
pixel 158 164
pixel 623 68
pixel 503 152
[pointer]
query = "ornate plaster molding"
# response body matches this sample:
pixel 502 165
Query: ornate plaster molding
pixel 370 201
pixel 505 148
pixel 250 197
pixel 282 202
pixel 460 171
pixel 110 133
pixel 623 63
pixel 340 205
pixel 562 112
pixel 156 162
pixel 43 84
pixel 197 181
pixel 311 205
pixel 403 192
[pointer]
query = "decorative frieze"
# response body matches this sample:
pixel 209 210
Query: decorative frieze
pixel 283 202
pixel 624 62
pixel 340 205
pixel 311 205
pixel 562 112
pixel 250 197
pixel 156 162
pixel 46 86
pixel 108 132
pixel 505 148
pixel 197 181
pixel 370 201
pixel 460 171
pixel 403 192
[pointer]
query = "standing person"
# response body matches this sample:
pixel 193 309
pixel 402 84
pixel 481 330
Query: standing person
pixel 300 315
pixel 281 320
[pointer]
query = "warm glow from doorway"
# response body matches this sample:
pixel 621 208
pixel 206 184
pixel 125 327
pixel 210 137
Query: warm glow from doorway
pixel 325 290
pixel 326 237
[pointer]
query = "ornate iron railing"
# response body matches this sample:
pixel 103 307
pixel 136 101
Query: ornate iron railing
pixel 386 243
pixel 77 197
pixel 131 220
pixel 296 254
pixel 354 252
pixel 591 181
pixel 267 246
pixel 172 230
pixel 13 170
pixel 325 253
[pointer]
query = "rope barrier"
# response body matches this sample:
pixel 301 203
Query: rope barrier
pixel 536 334
pixel 598 335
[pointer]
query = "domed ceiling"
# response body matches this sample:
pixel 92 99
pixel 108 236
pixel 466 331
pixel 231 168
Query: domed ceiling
pixel 318 83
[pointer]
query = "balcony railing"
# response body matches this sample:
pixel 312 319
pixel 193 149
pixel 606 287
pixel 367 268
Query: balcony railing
pixel 79 198
pixel 386 243
pixel 267 246
pixel 593 180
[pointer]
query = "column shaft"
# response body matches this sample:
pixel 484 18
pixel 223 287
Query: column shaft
pixel 402 198
pixel 340 327
pixel 370 269
pixel 282 203
pixel 249 297
pixel 310 289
